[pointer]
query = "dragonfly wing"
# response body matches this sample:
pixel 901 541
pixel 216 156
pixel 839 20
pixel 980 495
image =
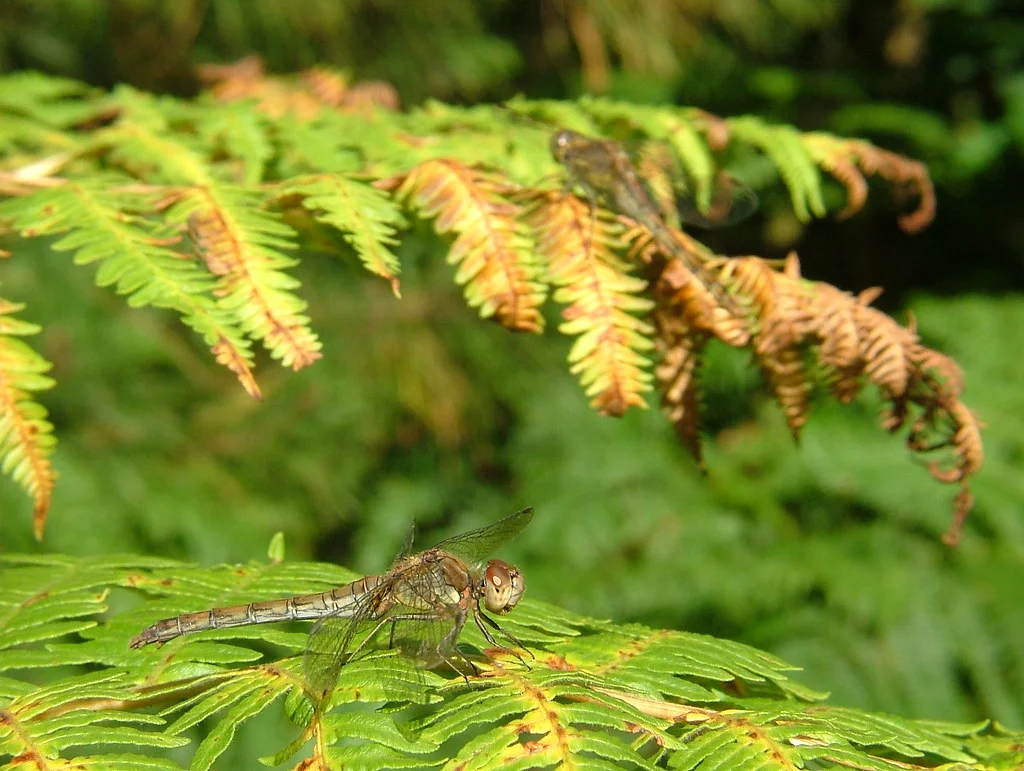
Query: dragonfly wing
pixel 476 545
pixel 406 547
pixel 700 197
pixel 335 638
pixel 661 175
pixel 731 201
pixel 430 612
pixel 413 609
pixel 429 641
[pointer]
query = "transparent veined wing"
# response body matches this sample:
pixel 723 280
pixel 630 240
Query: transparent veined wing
pixel 412 608
pixel 475 546
pixel 335 638
pixel 717 200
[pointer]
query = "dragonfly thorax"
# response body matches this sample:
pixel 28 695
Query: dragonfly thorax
pixel 503 586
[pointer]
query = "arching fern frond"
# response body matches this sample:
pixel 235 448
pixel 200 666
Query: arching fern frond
pixel 367 217
pixel 242 244
pixel 597 694
pixel 26 435
pixel 104 221
pixel 229 179
pixel 848 160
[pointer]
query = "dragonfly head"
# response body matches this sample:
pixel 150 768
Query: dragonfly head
pixel 503 586
pixel 561 143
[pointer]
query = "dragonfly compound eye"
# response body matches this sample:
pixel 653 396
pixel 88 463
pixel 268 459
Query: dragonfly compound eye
pixel 503 586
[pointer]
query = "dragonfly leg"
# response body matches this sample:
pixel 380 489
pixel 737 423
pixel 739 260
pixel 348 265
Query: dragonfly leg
pixel 474 670
pixel 450 642
pixel 393 620
pixel 490 637
pixel 447 643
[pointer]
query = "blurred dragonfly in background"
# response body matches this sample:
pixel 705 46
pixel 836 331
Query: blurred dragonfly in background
pixel 608 175
pixel 423 602
pixel 643 179
pixel 649 188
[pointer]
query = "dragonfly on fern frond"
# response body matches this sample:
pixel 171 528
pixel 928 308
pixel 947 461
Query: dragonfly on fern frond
pixel 419 607
pixel 645 178
pixel 650 189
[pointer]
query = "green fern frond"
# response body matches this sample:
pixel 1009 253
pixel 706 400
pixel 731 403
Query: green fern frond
pixel 44 600
pixel 238 132
pixel 106 221
pixel 239 698
pixel 43 100
pixel 769 736
pixel 596 694
pixel 143 143
pixel 695 156
pixel 26 435
pixel 366 216
pixel 331 143
pixel 785 146
pixel 241 243
pixel 568 720
pixel 44 726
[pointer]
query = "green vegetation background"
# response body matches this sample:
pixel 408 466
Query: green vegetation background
pixel 827 554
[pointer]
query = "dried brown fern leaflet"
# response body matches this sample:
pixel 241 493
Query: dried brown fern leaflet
pixel 851 161
pixel 857 345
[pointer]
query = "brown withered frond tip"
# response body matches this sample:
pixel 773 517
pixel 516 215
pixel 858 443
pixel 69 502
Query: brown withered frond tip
pixel 850 160
pixel 793 320
pixel 512 242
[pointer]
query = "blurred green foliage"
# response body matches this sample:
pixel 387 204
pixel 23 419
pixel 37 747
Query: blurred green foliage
pixel 827 554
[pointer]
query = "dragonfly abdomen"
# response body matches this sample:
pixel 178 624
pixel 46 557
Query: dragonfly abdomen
pixel 304 606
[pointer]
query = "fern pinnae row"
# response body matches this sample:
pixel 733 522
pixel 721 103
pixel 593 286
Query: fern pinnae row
pixel 222 159
pixel 784 145
pixel 609 693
